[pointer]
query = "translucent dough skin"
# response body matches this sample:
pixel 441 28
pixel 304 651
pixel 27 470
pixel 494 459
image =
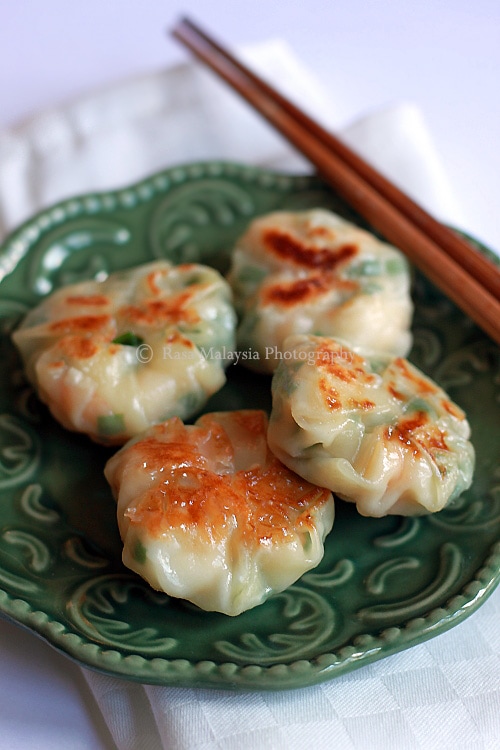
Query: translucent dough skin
pixel 207 513
pixel 373 429
pixel 111 358
pixel 314 272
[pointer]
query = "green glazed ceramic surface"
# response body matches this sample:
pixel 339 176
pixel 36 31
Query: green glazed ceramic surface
pixel 384 584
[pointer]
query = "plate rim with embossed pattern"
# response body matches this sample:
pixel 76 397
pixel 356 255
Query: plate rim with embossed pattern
pixel 47 545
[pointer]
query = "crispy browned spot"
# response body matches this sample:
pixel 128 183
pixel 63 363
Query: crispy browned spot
pixel 332 359
pixel 176 338
pixel 422 384
pixel 330 395
pixel 91 299
pixel 78 347
pixel 191 444
pixel 81 324
pixel 151 281
pixel 254 422
pixel 394 392
pixel 277 503
pixel 285 246
pixel 418 433
pixel 365 404
pixel 452 409
pixel 155 312
pixel 293 292
pixel 304 290
pixel 157 455
pixel 267 502
pixel 321 231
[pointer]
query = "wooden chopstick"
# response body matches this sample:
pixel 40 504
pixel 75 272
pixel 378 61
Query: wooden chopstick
pixel 467 282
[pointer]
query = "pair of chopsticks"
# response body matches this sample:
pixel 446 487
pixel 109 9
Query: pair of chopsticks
pixel 461 272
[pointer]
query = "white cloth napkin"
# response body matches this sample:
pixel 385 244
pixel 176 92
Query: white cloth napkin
pixel 116 136
pixel 444 693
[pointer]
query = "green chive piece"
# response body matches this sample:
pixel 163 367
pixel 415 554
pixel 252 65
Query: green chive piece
pixel 140 552
pixel 128 339
pixel 110 424
pixel 395 266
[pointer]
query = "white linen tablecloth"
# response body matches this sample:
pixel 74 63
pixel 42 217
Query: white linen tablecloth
pixel 442 694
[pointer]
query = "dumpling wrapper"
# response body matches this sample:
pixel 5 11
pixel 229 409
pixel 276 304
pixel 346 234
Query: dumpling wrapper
pixel 373 429
pixel 208 514
pixel 314 272
pixel 112 357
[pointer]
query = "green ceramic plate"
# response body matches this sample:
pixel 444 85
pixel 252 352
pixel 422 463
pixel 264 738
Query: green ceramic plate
pixel 384 584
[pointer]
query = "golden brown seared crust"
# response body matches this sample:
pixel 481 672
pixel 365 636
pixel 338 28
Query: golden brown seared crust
pixel 207 513
pixel 305 290
pixel 313 272
pixel 111 357
pixel 267 501
pixel 82 324
pixel 288 247
pixel 93 300
pixel 373 429
pixel 152 312
pixel 416 431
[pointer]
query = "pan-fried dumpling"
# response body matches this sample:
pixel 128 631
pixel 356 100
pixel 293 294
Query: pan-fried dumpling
pixel 111 358
pixel 373 429
pixel 208 514
pixel 314 272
